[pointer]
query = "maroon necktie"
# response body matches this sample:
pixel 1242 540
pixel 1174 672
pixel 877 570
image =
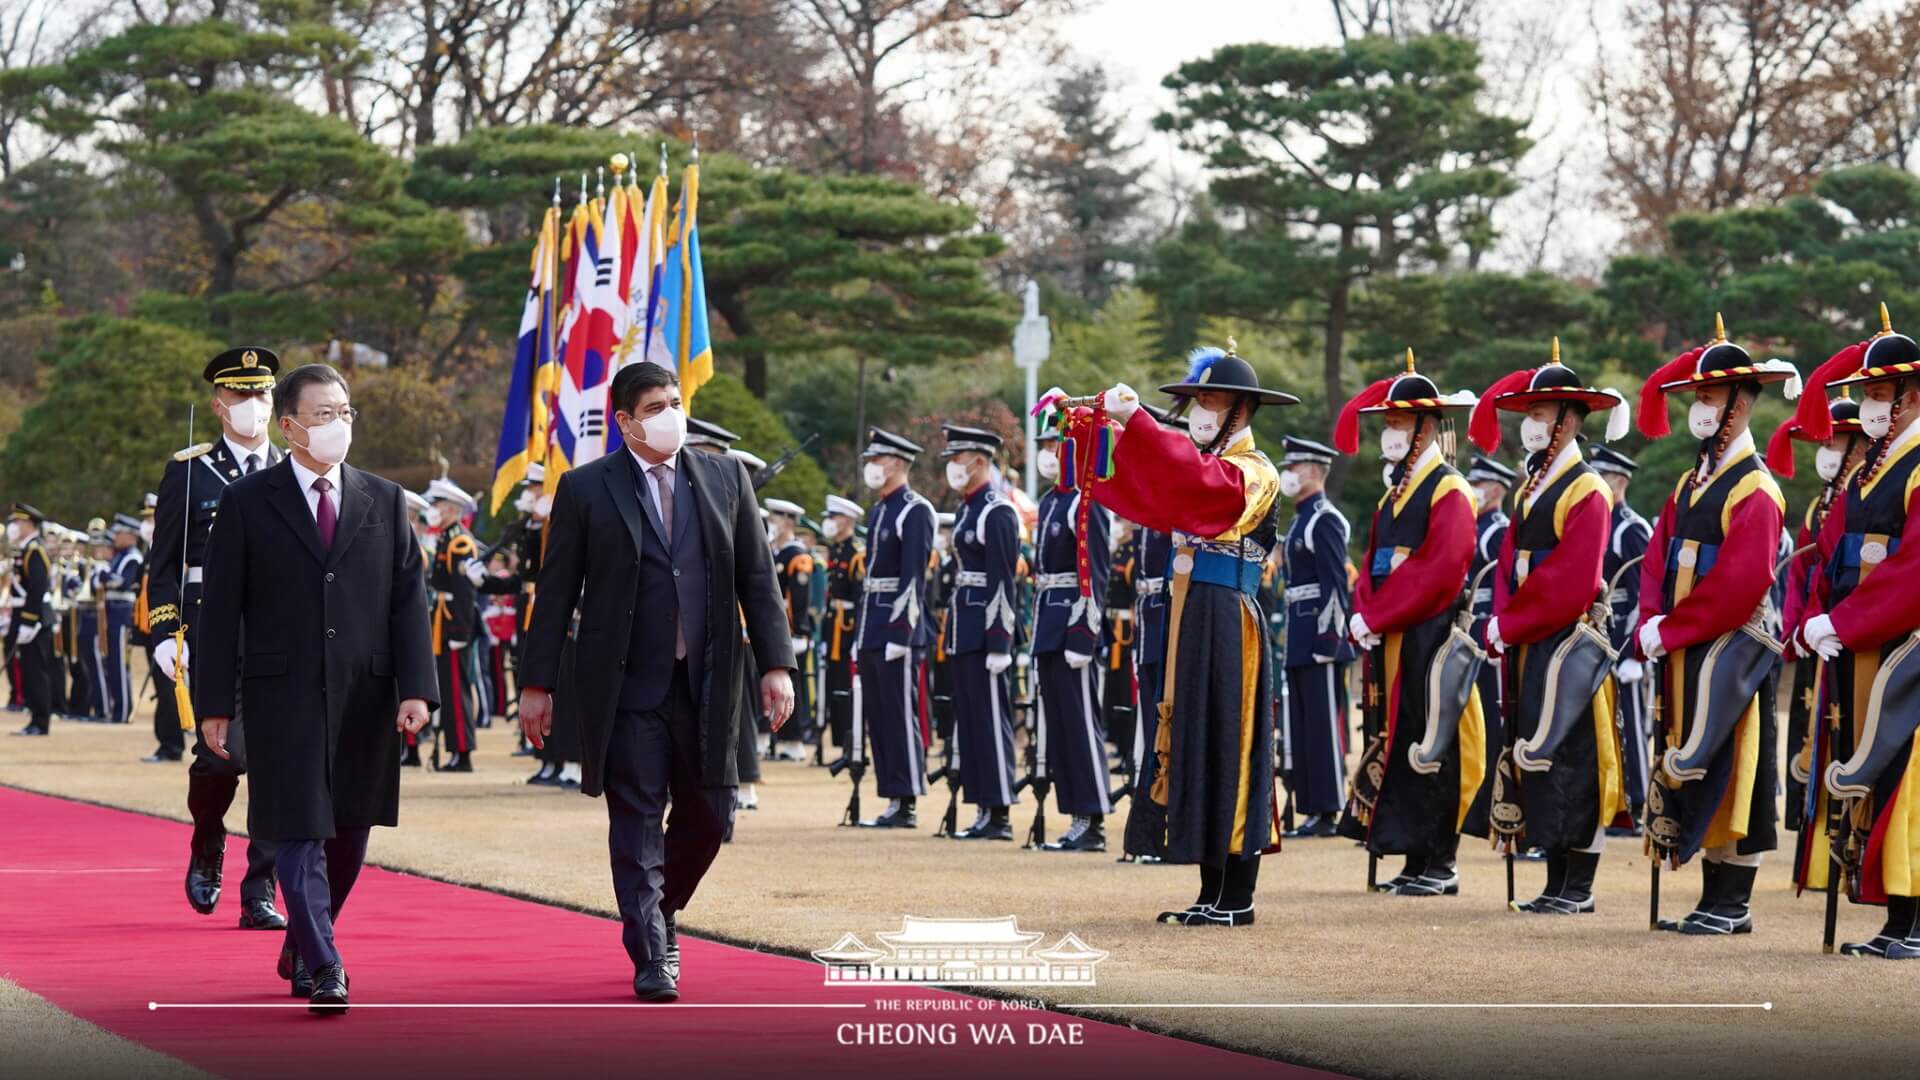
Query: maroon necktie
pixel 324 515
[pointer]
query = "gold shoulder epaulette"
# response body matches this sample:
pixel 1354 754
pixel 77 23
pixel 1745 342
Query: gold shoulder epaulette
pixel 192 452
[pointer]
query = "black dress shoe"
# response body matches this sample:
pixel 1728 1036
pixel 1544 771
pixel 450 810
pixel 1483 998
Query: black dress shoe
pixel 673 949
pixel 329 991
pixel 294 970
pixel 258 914
pixel 31 730
pixel 460 763
pixel 545 777
pixel 203 880
pixel 164 753
pixel 1085 835
pixel 411 758
pixel 656 984
pixel 1315 826
pixel 900 817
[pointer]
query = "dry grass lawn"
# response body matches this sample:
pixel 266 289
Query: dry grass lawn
pixel 792 881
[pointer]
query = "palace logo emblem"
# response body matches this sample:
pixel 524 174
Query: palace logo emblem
pixel 959 952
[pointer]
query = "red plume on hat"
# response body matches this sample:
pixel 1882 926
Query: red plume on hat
pixel 1653 400
pixel 1813 414
pixel 1346 429
pixel 1780 448
pixel 1484 426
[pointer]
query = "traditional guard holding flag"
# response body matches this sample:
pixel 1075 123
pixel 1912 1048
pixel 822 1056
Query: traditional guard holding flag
pixel 1862 621
pixel 894 629
pixel 190 491
pixel 1426 753
pixel 979 631
pixel 1549 626
pixel 1211 799
pixel 1319 601
pixel 32 641
pixel 455 576
pixel 1626 542
pixel 846 575
pixel 1703 593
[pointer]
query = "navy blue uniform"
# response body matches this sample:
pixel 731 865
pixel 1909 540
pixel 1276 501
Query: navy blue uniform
pixel 1489 531
pixel 120 580
pixel 1319 601
pixel 1073 739
pixel 1627 542
pixel 980 623
pixel 893 614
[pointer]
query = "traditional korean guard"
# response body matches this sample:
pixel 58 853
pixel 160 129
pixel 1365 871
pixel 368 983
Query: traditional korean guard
pixel 1549 626
pixel 1492 482
pixel 1862 622
pixel 979 631
pixel 1318 602
pixel 1426 753
pixel 1211 797
pixel 895 631
pixel 455 573
pixel 1703 594
pixel 1066 635
pixel 846 573
pixel 1626 542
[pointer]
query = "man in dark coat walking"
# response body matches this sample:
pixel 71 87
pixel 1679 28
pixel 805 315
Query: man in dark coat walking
pixel 663 552
pixel 315 618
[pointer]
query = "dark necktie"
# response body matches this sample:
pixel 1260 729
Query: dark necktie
pixel 324 515
pixel 253 462
pixel 663 483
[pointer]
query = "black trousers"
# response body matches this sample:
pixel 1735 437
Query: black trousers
pixel 1316 722
pixel 983 715
pixel 890 714
pixel 166 714
pixel 1076 742
pixel 317 876
pixel 456 705
pixel 212 781
pixel 658 860
pixel 36 672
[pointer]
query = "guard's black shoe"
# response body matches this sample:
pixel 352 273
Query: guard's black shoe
pixel 656 984
pixel 410 758
pixel 160 754
pixel 673 949
pixel 329 991
pixel 1207 916
pixel 1717 923
pixel 1086 834
pixel 1316 825
pixel 31 729
pixel 544 778
pixel 899 815
pixel 1908 949
pixel 258 914
pixel 1877 945
pixel 203 879
pixel 990 827
pixel 1442 882
pixel 460 763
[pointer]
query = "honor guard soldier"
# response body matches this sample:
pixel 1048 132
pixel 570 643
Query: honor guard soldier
pixel 1562 754
pixel 32 641
pixel 1423 763
pixel 793 566
pixel 90 610
pixel 120 583
pixel 1066 635
pixel 940 588
pixel 1492 482
pixel 980 630
pixel 1211 800
pixel 1838 455
pixel 190 490
pixel 1318 601
pixel 170 742
pixel 894 629
pixel 1703 595
pixel 1119 695
pixel 846 574
pixel 1627 542
pixel 1861 621
pixel 456 574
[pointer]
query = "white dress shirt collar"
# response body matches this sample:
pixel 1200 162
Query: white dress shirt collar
pixel 1567 458
pixel 240 453
pixel 1739 447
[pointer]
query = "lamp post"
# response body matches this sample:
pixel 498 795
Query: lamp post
pixel 1032 341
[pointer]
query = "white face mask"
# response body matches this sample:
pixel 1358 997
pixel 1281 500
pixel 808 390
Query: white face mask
pixel 1876 418
pixel 1535 435
pixel 1290 484
pixel 874 474
pixel 1048 462
pixel 328 443
pixel 524 503
pixel 1826 462
pixel 146 532
pixel 1703 419
pixel 13 532
pixel 1203 425
pixel 665 431
pixel 1394 444
pixel 959 477
pixel 249 418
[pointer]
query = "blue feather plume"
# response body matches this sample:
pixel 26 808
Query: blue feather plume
pixel 1201 359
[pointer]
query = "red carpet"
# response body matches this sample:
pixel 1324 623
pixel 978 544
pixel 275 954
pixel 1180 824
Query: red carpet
pixel 95 922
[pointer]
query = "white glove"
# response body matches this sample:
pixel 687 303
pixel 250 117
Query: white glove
pixel 800 646
pixel 474 571
pixel 1821 637
pixel 164 654
pixel 1077 660
pixel 1121 402
pixel 998 662
pixel 1493 635
pixel 29 631
pixel 896 652
pixel 1650 642
pixel 1361 633
pixel 1630 671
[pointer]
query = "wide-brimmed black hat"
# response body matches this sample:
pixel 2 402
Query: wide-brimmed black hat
pixel 1219 369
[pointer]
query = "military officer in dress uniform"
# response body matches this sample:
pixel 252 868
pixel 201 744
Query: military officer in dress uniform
pixel 793 566
pixel 190 490
pixel 846 571
pixel 1626 542
pixel 32 641
pixel 980 630
pixel 121 585
pixel 90 609
pixel 1318 601
pixel 895 631
pixel 455 575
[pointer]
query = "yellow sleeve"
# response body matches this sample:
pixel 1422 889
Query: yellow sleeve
pixel 1262 482
pixel 1582 486
pixel 1759 480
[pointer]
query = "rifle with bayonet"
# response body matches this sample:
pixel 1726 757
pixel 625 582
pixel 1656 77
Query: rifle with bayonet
pixel 766 474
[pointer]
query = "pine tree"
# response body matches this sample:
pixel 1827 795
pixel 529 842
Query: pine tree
pixel 1094 191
